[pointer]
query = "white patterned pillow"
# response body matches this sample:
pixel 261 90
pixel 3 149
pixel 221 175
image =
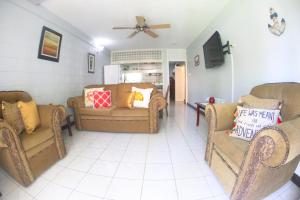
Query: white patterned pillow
pixel 142 97
pixel 89 97
pixel 250 120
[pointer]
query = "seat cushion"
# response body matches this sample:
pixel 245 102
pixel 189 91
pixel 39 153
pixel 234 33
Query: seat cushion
pixel 39 136
pixel 126 112
pixel 96 112
pixel 231 149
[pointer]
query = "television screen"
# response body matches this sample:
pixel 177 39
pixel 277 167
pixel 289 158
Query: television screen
pixel 213 51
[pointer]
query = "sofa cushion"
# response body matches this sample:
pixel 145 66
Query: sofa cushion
pixel 30 115
pixel 251 120
pixel 124 88
pixel 126 112
pixel 231 149
pixel 142 97
pixel 102 99
pixel 113 88
pixel 89 96
pixel 12 115
pixel 126 101
pixel 96 112
pixel 255 102
pixel 38 137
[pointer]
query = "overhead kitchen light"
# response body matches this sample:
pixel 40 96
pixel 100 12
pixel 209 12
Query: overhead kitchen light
pixel 103 41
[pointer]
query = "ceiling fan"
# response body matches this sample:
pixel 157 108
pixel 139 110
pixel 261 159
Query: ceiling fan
pixel 141 26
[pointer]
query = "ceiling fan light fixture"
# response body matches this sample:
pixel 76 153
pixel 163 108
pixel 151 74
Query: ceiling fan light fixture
pixel 142 26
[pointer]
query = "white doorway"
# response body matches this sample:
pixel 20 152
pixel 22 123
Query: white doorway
pixel 177 81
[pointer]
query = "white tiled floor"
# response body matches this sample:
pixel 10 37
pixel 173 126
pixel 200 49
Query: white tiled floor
pixel 112 166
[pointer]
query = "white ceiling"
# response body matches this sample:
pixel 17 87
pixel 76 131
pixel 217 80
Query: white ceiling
pixel 97 17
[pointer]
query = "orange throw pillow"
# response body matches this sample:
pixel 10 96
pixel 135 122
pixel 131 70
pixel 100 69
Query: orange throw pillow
pixel 30 115
pixel 126 100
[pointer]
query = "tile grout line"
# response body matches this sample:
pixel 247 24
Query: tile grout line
pixel 175 181
pixel 119 163
pixel 181 132
pixel 87 172
pixel 146 157
pixel 73 189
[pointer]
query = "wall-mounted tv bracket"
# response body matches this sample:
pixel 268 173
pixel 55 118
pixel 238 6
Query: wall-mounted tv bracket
pixel 226 48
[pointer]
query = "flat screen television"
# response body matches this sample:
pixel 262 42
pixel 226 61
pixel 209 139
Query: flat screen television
pixel 213 51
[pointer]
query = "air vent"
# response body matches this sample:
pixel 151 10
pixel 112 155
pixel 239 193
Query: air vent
pixel 136 56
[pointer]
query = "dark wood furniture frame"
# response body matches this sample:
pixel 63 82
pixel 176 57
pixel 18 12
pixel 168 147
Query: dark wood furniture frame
pixel 68 125
pixel 200 109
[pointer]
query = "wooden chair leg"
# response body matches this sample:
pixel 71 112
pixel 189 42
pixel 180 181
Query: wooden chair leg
pixel 167 111
pixel 161 114
pixel 69 125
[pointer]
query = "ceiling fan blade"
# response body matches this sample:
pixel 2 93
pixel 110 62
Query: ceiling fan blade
pixel 132 34
pixel 140 20
pixel 160 26
pixel 123 27
pixel 151 33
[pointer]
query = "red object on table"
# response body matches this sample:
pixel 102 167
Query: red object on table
pixel 212 100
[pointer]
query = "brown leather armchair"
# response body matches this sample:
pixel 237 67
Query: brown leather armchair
pixel 26 156
pixel 253 170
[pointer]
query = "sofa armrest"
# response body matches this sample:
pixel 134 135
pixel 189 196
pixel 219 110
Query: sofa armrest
pixel 157 101
pixel 50 117
pixel 274 151
pixel 285 140
pixel 47 115
pixel 219 117
pixel 75 103
pixel 9 137
pixel 156 104
pixel 2 143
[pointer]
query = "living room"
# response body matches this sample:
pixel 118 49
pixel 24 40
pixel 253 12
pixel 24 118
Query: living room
pixel 149 154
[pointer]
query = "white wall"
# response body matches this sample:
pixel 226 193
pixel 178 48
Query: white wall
pixel 169 56
pixel 258 56
pixel 20 30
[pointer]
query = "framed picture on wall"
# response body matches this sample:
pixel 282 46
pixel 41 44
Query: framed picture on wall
pixel 196 60
pixel 91 63
pixel 50 43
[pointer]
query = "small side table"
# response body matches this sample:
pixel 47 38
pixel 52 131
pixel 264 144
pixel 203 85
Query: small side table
pixel 68 125
pixel 200 110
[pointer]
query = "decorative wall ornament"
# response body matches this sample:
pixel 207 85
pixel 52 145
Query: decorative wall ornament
pixel 91 63
pixel 196 60
pixel 50 42
pixel 278 27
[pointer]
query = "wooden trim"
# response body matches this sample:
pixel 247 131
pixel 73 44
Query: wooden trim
pixel 296 180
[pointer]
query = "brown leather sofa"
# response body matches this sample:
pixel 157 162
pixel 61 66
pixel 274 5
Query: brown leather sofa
pixel 253 170
pixel 26 156
pixel 116 119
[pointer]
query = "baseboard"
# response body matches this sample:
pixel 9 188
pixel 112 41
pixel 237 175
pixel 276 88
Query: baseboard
pixel 296 180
